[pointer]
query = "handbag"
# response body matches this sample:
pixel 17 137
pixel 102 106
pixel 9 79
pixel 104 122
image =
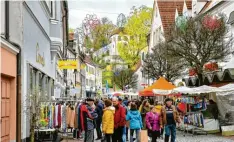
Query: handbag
pixel 143 136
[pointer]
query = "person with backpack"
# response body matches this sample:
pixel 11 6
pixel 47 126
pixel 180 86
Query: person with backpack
pixel 135 120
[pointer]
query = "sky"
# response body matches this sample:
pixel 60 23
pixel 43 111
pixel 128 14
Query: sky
pixel 78 9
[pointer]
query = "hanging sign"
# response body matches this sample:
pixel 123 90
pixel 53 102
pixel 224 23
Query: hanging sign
pixel 39 58
pixel 67 64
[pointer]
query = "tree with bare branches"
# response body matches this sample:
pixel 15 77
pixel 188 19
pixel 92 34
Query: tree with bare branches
pixel 125 77
pixel 199 41
pixel 159 63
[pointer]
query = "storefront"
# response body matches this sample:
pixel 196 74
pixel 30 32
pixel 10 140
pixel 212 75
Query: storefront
pixel 38 65
pixel 8 90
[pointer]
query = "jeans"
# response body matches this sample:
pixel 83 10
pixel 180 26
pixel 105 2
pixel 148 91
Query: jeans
pixel 118 133
pixel 171 130
pixel 137 134
pixel 98 128
pixel 108 137
pixel 124 134
pixel 127 133
pixel 89 136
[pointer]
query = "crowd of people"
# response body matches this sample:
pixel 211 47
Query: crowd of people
pixel 113 119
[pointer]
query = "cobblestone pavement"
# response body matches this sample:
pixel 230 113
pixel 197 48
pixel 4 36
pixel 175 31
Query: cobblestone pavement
pixel 188 138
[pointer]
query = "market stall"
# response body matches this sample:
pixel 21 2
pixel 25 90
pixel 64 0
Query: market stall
pixel 206 103
pixel 159 87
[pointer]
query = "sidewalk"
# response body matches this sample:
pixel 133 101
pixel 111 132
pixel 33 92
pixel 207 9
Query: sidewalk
pixel 188 138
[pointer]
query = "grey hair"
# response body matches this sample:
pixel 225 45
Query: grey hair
pixel 114 99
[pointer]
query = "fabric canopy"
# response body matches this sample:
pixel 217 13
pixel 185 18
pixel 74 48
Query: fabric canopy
pixel 161 86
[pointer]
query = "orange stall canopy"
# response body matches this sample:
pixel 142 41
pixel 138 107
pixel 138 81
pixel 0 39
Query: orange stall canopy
pixel 161 84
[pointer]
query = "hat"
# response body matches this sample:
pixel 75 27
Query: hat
pixel 168 99
pixel 90 99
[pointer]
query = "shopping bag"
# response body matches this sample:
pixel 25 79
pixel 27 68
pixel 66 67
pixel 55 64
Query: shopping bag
pixel 143 136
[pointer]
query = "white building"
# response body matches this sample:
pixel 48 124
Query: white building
pixel 93 78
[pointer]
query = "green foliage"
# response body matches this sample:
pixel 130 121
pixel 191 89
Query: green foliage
pixel 71 30
pixel 137 28
pixel 125 77
pixel 107 75
pixel 100 35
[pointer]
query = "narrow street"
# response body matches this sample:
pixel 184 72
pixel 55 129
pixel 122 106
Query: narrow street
pixel 71 66
pixel 187 138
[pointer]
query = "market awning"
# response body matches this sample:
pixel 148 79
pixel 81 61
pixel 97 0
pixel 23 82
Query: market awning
pixel 161 86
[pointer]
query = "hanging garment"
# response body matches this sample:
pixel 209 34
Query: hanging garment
pixel 72 119
pixel 76 117
pixel 53 112
pixel 68 115
pixel 51 117
pixel 59 115
pixel 56 115
pixel 64 122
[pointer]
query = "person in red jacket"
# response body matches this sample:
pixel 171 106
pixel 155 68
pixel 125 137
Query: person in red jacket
pixel 119 120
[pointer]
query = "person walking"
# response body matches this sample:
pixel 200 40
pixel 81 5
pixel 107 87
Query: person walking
pixel 99 110
pixel 158 109
pixel 89 116
pixel 153 123
pixel 170 117
pixel 119 120
pixel 108 120
pixel 134 118
pixel 144 108
pixel 127 123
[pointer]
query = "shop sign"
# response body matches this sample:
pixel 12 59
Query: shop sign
pixel 39 58
pixel 67 64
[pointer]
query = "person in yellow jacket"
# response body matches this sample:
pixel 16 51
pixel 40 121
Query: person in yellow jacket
pixel 108 120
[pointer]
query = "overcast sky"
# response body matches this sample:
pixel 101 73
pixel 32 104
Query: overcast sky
pixel 102 8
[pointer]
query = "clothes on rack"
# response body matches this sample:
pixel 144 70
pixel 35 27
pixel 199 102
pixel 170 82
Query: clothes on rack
pixel 195 119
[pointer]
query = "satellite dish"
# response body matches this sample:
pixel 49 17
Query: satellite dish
pixel 121 20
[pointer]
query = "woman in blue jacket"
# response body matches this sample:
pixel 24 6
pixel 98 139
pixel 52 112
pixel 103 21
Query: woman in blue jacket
pixel 134 118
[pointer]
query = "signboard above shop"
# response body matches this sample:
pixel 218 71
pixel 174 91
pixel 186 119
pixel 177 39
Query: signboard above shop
pixel 68 64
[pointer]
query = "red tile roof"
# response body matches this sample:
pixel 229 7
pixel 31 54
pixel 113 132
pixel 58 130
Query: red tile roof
pixel 167 11
pixel 188 4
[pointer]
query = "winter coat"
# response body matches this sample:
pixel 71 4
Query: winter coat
pixel 175 115
pixel 120 116
pixel 153 121
pixel 99 110
pixel 108 120
pixel 90 121
pixel 134 117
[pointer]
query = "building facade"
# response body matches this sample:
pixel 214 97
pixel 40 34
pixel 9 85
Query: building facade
pixel 93 78
pixel 40 29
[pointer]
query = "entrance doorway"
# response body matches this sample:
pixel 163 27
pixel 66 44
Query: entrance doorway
pixel 5 108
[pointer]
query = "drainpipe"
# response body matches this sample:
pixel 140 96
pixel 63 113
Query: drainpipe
pixel 7 20
pixel 18 68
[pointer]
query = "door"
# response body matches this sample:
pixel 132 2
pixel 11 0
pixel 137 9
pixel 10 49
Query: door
pixel 5 109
